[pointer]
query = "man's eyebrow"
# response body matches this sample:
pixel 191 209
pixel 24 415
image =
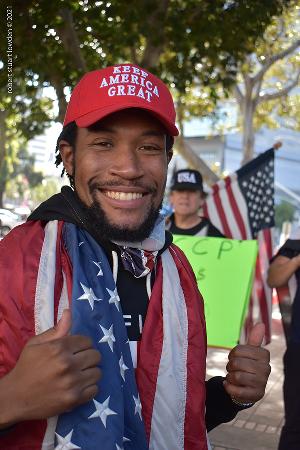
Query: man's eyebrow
pixel 95 128
pixel 153 133
pixel 100 128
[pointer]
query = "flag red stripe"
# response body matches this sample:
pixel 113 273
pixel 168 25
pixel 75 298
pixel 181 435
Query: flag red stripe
pixel 268 241
pixel 221 211
pixel 150 349
pixel 235 208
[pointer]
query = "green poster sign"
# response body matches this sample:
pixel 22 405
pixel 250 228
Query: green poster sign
pixel 224 271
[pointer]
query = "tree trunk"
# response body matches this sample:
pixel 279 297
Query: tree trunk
pixel 58 85
pixel 156 39
pixel 195 162
pixel 248 129
pixel 68 35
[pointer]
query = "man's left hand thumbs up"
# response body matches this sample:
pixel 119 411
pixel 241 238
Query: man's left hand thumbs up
pixel 248 368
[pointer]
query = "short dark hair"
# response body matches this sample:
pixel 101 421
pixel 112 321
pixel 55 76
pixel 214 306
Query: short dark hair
pixel 69 134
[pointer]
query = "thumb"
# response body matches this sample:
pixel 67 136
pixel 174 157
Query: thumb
pixel 256 335
pixel 60 330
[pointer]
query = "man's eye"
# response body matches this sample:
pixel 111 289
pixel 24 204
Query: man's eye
pixel 151 148
pixel 102 144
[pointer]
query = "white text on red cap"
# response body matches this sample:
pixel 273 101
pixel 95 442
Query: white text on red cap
pixel 127 80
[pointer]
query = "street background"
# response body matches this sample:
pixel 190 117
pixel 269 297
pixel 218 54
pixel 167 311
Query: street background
pixel 256 428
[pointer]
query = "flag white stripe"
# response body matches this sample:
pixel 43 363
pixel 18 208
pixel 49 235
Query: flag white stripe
pixel 229 214
pixel 133 351
pixel 264 264
pixel 213 214
pixel 44 304
pixel 167 425
pixel 241 204
pixel 44 293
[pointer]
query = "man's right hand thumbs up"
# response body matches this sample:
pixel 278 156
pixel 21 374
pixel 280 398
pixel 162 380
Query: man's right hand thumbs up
pixel 54 373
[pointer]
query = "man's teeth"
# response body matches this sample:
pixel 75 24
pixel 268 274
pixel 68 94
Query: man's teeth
pixel 123 195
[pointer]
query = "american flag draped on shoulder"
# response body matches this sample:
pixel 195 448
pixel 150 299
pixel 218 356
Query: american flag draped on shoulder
pixel 242 207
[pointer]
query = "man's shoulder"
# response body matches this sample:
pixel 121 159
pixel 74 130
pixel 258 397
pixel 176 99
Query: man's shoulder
pixel 212 230
pixel 22 238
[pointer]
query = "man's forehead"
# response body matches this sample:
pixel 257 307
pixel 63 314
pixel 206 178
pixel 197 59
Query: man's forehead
pixel 144 121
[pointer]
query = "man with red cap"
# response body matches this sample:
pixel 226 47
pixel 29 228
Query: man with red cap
pixel 103 339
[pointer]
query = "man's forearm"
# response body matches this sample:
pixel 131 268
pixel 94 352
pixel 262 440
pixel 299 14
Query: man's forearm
pixel 219 406
pixel 279 274
pixel 10 410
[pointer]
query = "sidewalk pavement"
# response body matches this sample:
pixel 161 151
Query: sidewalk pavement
pixel 256 428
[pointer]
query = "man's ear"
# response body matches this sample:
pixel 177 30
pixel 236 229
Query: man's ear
pixel 67 155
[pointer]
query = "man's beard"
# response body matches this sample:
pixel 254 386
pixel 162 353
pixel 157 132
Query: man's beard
pixel 103 228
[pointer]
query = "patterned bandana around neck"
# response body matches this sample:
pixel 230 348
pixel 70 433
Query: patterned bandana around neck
pixel 139 257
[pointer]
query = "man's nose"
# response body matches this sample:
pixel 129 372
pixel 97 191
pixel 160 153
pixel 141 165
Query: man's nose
pixel 127 163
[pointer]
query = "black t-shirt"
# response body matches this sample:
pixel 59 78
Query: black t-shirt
pixel 204 228
pixel 134 301
pixel 290 249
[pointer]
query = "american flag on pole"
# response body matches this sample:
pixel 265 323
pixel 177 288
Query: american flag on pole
pixel 242 207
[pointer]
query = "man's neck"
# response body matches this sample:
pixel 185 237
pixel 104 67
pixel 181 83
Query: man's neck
pixel 186 222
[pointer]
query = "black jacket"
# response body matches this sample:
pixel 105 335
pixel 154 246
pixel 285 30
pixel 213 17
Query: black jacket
pixel 66 206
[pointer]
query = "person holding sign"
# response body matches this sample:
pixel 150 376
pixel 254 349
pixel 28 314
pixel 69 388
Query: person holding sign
pixel 187 198
pixel 103 340
pixel 283 267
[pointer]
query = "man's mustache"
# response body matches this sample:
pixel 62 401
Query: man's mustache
pixel 95 185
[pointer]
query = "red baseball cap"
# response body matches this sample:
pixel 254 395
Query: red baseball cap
pixel 103 92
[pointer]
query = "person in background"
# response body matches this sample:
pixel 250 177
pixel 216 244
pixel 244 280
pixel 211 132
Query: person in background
pixel 187 198
pixel 284 265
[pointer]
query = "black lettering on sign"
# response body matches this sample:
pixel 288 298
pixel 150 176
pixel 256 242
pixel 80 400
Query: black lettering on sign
pixel 196 249
pixel 200 274
pixel 226 246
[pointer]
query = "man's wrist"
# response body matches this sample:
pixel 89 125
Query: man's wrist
pixel 242 404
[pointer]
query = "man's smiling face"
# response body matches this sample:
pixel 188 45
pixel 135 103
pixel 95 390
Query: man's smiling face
pixel 120 167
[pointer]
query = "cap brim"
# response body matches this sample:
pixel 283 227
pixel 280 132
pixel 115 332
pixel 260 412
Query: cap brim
pixel 93 116
pixel 186 187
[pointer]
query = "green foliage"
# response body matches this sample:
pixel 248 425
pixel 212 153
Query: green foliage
pixel 278 36
pixel 284 212
pixel 55 42
pixel 194 45
pixel 22 177
pixel 44 190
pixel 25 166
